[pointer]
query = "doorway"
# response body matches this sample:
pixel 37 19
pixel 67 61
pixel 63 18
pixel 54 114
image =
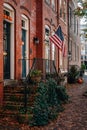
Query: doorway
pixel 23 53
pixel 6 49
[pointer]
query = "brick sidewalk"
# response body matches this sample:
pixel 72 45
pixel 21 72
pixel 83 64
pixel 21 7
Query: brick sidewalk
pixel 74 117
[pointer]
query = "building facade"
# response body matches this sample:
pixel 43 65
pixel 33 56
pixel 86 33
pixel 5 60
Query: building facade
pixel 74 48
pixel 25 29
pixel 83 43
pixel 63 21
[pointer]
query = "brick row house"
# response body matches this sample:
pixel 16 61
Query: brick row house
pixel 74 46
pixel 25 29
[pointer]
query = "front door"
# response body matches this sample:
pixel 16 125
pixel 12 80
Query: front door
pixel 23 53
pixel 6 50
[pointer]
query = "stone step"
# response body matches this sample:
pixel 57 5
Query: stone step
pixel 10 88
pixel 13 103
pixel 14 94
pixel 14 98
pixel 11 82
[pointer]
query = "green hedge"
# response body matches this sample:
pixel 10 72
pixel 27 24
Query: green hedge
pixel 48 102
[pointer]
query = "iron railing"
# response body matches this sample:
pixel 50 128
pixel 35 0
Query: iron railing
pixel 47 68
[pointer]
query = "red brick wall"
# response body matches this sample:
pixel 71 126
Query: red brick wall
pixel 39 27
pixel 44 15
pixel 1 50
pixel 37 12
pixel 33 29
pixel 64 27
pixel 27 8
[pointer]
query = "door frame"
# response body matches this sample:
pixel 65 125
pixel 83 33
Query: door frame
pixel 8 8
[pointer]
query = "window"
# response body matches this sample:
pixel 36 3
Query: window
pixel 74 23
pixel 77 27
pixel 53 3
pixel 70 48
pixel 47 1
pixel 63 9
pixel 81 57
pixel 75 52
pixel 6 12
pixel 53 52
pixel 86 49
pixel 70 16
pixel 23 23
pixel 47 33
pixel 25 46
pixel 47 47
pixel 78 53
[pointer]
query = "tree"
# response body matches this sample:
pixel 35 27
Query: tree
pixel 81 11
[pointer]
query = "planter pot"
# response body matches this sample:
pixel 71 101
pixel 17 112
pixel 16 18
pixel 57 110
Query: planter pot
pixel 80 81
pixel 36 79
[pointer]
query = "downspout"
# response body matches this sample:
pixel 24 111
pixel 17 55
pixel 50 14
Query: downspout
pixel 68 34
pixel 57 25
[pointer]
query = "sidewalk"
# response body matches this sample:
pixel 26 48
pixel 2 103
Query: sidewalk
pixel 74 117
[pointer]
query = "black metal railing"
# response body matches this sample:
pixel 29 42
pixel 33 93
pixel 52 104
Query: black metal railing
pixel 47 68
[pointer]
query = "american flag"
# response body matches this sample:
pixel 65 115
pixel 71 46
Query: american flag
pixel 58 38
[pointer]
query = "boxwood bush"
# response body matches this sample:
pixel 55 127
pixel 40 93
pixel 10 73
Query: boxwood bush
pixel 48 102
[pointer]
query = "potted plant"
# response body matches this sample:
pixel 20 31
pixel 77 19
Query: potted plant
pixel 35 75
pixel 83 67
pixel 73 74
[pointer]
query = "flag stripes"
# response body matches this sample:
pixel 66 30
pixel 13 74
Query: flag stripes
pixel 57 38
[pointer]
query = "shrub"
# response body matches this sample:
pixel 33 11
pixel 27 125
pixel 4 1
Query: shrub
pixel 48 101
pixel 40 110
pixel 61 93
pixel 83 67
pixel 73 74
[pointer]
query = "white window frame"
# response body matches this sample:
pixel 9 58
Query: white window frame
pixel 27 39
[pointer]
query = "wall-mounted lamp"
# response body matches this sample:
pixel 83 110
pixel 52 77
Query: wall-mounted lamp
pixel 36 40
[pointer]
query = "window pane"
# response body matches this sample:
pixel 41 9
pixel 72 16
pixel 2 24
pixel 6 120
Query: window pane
pixel 53 2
